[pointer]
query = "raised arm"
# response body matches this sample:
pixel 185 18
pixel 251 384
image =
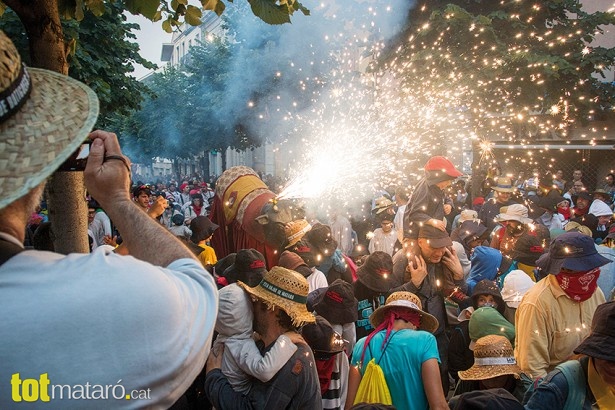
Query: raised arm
pixel 107 178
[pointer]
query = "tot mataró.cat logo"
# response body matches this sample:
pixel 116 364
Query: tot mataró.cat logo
pixel 42 389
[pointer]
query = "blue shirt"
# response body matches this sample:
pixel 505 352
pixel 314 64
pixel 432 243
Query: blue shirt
pixel 401 364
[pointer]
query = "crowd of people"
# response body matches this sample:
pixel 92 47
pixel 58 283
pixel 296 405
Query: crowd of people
pixel 503 300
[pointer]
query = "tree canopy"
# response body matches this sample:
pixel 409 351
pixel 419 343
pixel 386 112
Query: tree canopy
pixel 519 69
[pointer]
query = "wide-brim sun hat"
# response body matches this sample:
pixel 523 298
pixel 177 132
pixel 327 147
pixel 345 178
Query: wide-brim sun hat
pixel 408 301
pixel 514 212
pixel 493 357
pixel 286 290
pixel 54 120
pixel 571 250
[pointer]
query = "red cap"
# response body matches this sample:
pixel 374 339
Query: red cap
pixel 439 163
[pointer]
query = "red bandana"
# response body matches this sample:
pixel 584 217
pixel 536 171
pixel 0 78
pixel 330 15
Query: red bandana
pixel 325 370
pixel 579 286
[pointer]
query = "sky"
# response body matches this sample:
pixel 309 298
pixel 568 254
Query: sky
pixel 150 39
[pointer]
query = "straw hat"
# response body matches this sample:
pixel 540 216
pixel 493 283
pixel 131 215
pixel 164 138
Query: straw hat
pixel 503 184
pixel 48 116
pixel 295 230
pixel 409 301
pixel 284 289
pixel 382 204
pixel 493 357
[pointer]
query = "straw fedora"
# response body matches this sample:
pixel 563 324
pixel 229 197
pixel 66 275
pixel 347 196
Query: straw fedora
pixel 493 357
pixel 295 230
pixel 503 184
pixel 284 289
pixel 409 301
pixel 44 117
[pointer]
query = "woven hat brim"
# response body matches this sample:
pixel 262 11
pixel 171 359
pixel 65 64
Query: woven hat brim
pixel 297 311
pixel 428 322
pixel 487 372
pixel 501 189
pixel 49 127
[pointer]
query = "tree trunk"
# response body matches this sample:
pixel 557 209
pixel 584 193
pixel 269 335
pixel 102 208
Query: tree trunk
pixel 67 207
pixel 68 217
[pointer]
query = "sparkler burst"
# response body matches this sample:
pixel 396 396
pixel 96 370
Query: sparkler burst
pixel 375 114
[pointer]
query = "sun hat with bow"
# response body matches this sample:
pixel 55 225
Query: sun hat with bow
pixel 44 117
pixel 503 184
pixel 408 301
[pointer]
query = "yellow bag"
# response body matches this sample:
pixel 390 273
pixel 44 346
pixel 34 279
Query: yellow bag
pixel 373 387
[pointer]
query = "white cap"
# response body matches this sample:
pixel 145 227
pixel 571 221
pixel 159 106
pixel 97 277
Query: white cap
pixel 599 208
pixel 516 284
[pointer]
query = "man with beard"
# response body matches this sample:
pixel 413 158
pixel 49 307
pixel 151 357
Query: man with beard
pixel 582 202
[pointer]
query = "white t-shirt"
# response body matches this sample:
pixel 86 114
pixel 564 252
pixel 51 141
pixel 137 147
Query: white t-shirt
pixel 87 321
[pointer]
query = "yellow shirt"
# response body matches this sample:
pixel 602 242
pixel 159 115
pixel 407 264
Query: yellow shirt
pixel 208 256
pixel 550 326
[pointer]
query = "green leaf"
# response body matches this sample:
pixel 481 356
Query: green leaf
pixel 157 16
pixel 184 2
pixel 166 26
pixel 79 10
pixel 219 8
pixel 270 12
pixel 97 7
pixel 174 4
pixel 299 6
pixel 147 8
pixel 209 4
pixel 193 16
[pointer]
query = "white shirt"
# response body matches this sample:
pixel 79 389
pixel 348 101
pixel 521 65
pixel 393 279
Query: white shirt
pixel 104 319
pixel 384 242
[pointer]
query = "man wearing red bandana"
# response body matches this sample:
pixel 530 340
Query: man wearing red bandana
pixel 555 315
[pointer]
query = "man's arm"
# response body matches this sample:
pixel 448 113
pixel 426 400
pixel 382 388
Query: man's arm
pixel 108 181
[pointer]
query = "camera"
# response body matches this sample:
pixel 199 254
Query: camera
pixel 78 159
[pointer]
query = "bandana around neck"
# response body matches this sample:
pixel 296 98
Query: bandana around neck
pixel 579 286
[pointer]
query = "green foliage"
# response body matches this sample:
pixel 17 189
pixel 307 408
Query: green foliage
pixel 511 60
pixel 181 118
pixel 90 42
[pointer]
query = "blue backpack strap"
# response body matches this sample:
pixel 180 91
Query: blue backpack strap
pixel 577 384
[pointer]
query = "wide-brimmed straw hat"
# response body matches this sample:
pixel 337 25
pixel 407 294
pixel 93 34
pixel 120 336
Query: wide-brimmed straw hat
pixel 286 290
pixel 599 343
pixel 47 117
pixel 382 204
pixel 295 230
pixel 493 357
pixel 503 184
pixel 408 301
